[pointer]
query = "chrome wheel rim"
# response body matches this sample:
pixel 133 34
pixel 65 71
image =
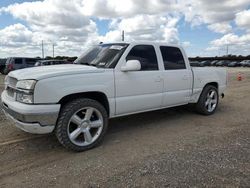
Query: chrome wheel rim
pixel 211 100
pixel 85 126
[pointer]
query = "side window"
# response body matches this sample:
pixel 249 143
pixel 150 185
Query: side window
pixel 146 55
pixel 18 61
pixel 30 61
pixel 172 58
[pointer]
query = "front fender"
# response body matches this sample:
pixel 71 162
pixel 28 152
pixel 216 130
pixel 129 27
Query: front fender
pixel 51 90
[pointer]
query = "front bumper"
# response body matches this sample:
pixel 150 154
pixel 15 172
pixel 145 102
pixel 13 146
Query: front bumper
pixel 37 119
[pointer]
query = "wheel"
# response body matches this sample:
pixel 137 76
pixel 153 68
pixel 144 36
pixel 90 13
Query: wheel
pixel 82 124
pixel 208 101
pixel 6 71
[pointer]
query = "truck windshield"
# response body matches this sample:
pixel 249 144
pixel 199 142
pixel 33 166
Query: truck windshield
pixel 103 55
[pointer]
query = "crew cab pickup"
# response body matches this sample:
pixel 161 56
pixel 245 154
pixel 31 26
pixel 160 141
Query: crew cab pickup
pixel 109 80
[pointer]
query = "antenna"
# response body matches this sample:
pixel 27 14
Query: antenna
pixel 123 35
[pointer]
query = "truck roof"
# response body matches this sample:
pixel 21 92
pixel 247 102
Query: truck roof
pixel 146 43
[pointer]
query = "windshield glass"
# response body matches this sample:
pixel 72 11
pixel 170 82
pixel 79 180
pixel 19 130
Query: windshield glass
pixel 103 55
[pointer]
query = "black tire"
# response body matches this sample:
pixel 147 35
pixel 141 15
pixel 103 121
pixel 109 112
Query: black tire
pixel 2 70
pixel 5 71
pixel 65 116
pixel 200 106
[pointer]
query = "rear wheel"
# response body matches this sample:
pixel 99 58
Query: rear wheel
pixel 208 101
pixel 82 124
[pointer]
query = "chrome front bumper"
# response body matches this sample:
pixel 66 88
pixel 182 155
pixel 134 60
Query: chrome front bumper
pixel 37 119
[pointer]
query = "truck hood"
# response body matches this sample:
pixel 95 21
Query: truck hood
pixel 43 72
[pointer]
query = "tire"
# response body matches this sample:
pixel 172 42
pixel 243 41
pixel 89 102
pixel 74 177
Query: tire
pixel 2 70
pixel 208 102
pixel 84 117
pixel 6 71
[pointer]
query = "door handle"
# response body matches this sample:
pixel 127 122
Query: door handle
pixel 185 77
pixel 158 79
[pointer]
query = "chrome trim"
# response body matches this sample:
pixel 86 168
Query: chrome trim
pixel 34 128
pixel 44 119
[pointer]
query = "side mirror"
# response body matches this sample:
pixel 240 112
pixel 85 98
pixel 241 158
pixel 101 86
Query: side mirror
pixel 131 65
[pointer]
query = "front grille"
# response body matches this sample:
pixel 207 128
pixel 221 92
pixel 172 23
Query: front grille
pixel 10 92
pixel 11 85
pixel 12 82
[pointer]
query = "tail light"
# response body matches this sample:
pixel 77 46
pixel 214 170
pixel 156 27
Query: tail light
pixel 10 67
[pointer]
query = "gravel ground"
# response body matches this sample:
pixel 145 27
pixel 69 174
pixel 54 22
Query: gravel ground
pixel 167 148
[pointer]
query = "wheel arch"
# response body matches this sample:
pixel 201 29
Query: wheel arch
pixel 215 84
pixel 95 95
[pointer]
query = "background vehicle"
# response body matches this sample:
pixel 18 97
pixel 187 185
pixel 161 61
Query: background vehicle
pixel 15 63
pixel 109 80
pixel 2 65
pixel 213 63
pixel 51 62
pixel 245 63
pixel 222 63
pixel 205 63
pixel 196 64
pixel 234 64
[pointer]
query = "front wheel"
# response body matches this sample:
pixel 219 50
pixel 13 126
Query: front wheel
pixel 208 101
pixel 82 124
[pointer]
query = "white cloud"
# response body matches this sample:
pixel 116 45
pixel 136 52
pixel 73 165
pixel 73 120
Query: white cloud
pixel 186 44
pixel 243 19
pixel 70 24
pixel 237 44
pixel 220 27
pixel 128 8
pixel 15 35
pixel 144 28
pixel 230 39
pixel 213 11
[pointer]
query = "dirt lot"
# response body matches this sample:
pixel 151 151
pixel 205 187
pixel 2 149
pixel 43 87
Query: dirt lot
pixel 171 148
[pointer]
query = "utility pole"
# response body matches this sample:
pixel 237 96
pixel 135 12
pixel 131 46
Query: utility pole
pixel 42 50
pixel 227 49
pixel 123 35
pixel 53 47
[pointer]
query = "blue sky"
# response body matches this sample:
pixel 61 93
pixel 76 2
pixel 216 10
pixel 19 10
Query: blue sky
pixel 201 27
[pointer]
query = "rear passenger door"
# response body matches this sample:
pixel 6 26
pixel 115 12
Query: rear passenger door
pixel 177 77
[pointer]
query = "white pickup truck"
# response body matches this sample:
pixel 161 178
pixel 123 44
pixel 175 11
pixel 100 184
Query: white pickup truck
pixel 109 80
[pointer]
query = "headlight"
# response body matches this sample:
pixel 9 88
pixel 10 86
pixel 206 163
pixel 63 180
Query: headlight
pixel 25 90
pixel 24 97
pixel 26 84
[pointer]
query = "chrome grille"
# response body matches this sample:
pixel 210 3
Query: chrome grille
pixel 10 92
pixel 12 82
pixel 11 85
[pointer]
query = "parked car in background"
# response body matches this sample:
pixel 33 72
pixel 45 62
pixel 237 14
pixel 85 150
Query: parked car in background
pixel 15 63
pixel 205 63
pixel 222 63
pixel 234 64
pixel 195 64
pixel 214 62
pixel 245 63
pixel 2 65
pixel 50 62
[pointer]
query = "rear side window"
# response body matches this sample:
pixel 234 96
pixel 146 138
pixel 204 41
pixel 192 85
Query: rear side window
pixel 146 55
pixel 18 61
pixel 172 58
pixel 30 61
